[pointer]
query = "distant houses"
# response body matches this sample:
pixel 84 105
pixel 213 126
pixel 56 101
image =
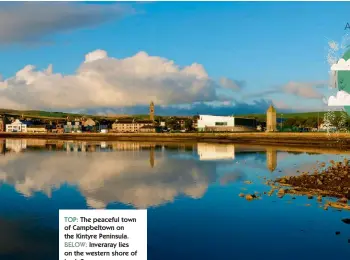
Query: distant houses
pixel 16 126
pixel 133 126
pixel 37 129
pixel 152 124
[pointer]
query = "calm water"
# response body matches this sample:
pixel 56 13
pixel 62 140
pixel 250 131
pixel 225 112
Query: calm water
pixel 191 192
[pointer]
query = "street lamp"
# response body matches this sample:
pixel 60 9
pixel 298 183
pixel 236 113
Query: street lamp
pixel 99 126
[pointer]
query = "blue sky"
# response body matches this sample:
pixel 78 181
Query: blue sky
pixel 272 47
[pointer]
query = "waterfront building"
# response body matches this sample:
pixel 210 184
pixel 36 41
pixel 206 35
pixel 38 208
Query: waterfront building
pixel 36 129
pixel 88 124
pixel 130 125
pixel 225 123
pixel 73 127
pixel 271 121
pixel 148 129
pixel 58 128
pixel 16 126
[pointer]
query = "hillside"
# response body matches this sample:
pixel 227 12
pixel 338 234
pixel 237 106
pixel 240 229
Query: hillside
pixel 62 115
pixel 262 117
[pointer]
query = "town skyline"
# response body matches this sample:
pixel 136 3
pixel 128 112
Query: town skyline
pixel 216 68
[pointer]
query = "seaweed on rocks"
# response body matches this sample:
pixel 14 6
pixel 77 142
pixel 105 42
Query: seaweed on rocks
pixel 334 181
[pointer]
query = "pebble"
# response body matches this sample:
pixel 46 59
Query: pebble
pixel 249 197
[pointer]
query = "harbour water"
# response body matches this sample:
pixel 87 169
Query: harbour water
pixel 190 191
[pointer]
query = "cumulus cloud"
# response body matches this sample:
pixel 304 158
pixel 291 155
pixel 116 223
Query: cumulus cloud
pixel 33 22
pixel 301 89
pixel 341 99
pixel 103 81
pixel 304 89
pixel 341 65
pixel 235 85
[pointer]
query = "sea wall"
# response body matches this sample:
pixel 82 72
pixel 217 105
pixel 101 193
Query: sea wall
pixel 290 139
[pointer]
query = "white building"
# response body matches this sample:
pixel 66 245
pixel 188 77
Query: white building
pixel 16 126
pixel 215 121
pixel 208 151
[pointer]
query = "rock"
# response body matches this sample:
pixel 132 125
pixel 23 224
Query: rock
pixel 241 195
pixel 319 198
pixel 307 205
pixel 343 200
pixel 325 207
pixel 310 197
pixel 319 182
pixel 339 205
pixel 346 220
pixel 280 193
pixel 249 197
pixel 248 182
pixel 337 232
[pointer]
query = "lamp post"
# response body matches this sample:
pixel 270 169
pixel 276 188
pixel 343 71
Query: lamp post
pixel 98 126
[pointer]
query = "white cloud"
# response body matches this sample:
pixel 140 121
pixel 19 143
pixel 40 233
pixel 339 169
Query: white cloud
pixel 231 84
pixel 103 81
pixel 341 65
pixel 341 99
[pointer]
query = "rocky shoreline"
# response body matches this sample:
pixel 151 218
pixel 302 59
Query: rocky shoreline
pixel 334 181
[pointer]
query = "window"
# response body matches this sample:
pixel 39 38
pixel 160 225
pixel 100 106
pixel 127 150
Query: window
pixel 220 123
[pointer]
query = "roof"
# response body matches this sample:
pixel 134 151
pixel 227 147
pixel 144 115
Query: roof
pixel 144 121
pixel 148 126
pixel 271 109
pixel 130 121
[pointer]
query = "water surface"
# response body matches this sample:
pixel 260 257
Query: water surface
pixel 190 191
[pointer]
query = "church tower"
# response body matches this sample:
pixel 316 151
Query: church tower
pixel 271 119
pixel 151 111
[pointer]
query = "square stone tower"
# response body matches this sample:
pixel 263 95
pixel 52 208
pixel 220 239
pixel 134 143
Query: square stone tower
pixel 151 111
pixel 271 120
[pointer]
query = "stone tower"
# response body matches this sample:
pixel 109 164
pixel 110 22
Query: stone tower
pixel 271 120
pixel 151 111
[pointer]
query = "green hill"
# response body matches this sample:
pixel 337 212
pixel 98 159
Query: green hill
pixel 262 117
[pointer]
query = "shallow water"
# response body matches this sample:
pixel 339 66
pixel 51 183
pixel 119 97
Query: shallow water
pixel 191 192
